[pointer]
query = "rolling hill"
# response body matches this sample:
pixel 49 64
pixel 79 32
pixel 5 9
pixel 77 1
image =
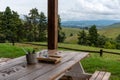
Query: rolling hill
pixel 111 31
pixel 115 25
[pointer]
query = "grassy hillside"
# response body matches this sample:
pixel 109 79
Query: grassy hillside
pixel 109 62
pixel 68 32
pixel 114 25
pixel 111 32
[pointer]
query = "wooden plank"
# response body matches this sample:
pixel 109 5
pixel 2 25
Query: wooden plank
pixel 52 24
pixel 12 63
pixel 50 59
pixel 94 76
pixel 34 71
pixel 26 71
pixel 44 69
pixel 100 75
pixel 106 76
pixel 53 74
pixel 56 71
pixel 47 68
pixel 23 72
pixel 56 56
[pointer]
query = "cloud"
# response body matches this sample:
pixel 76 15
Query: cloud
pixel 94 9
pixel 70 9
pixel 23 6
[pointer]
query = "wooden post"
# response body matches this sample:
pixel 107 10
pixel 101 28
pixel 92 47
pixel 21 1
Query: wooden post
pixel 101 52
pixel 52 24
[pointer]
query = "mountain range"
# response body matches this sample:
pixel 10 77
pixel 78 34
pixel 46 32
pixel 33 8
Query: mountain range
pixel 88 23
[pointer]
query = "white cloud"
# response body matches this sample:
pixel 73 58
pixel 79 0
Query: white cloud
pixel 23 6
pixel 96 9
pixel 70 9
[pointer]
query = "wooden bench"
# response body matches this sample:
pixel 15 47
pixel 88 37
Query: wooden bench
pixel 100 75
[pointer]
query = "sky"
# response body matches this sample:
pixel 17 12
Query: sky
pixel 70 9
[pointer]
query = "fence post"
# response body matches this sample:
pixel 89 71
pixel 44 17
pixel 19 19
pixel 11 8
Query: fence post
pixel 101 52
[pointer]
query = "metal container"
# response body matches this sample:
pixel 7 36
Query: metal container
pixel 31 58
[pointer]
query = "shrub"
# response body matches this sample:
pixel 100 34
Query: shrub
pixel 109 45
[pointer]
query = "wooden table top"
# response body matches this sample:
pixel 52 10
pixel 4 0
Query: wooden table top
pixel 17 69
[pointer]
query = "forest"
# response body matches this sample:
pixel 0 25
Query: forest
pixel 33 28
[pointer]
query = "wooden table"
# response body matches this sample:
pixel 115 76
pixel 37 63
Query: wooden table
pixel 17 69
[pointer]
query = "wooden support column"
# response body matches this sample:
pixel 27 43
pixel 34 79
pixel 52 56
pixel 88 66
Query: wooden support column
pixel 52 24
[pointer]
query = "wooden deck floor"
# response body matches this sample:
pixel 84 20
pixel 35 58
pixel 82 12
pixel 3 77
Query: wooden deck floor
pixel 17 69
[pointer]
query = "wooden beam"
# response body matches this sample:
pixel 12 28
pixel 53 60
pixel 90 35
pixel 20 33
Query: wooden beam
pixel 52 24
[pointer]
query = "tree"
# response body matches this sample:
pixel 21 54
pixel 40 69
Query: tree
pixel 2 36
pixel 6 23
pixel 34 16
pixel 118 39
pixel 110 45
pixel 31 24
pixel 93 35
pixel 82 39
pixel 28 29
pixel 118 42
pixel 10 24
pixel 17 27
pixel 1 16
pixel 61 35
pixel 35 26
pixel 42 27
pixel 101 41
pixel 118 45
pixel 71 34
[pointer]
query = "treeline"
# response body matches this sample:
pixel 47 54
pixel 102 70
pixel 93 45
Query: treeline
pixel 32 28
pixel 92 38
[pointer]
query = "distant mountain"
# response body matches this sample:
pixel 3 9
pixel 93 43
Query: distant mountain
pixel 114 25
pixel 88 23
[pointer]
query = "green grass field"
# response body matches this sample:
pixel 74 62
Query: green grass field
pixel 109 62
pixel 9 51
